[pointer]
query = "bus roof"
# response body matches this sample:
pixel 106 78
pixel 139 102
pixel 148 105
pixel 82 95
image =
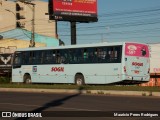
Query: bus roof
pixel 76 46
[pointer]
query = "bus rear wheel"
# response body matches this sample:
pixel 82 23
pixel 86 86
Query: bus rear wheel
pixel 27 79
pixel 79 80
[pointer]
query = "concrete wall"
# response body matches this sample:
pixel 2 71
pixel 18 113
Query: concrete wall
pixel 10 45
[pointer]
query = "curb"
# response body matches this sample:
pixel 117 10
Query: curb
pixel 73 91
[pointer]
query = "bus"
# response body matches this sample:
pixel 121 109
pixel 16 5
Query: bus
pixel 100 63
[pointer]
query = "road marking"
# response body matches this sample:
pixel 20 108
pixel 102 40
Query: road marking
pixel 77 109
pixel 80 109
pixel 20 104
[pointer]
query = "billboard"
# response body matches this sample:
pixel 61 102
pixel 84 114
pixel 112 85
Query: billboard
pixel 73 10
pixel 5 64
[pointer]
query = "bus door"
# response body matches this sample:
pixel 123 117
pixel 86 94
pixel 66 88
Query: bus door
pixel 136 59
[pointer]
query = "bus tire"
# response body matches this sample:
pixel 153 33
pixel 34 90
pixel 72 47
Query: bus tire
pixel 79 79
pixel 27 79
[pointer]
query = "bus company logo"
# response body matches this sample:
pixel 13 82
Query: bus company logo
pixel 137 64
pixel 34 69
pixel 57 69
pixel 132 49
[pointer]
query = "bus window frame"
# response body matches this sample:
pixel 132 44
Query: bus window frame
pixel 94 55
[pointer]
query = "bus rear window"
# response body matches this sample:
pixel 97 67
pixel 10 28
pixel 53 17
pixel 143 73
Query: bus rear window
pixel 135 49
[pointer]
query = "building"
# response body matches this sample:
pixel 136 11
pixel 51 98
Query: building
pixel 17 22
pixel 16 25
pixel 25 35
pixel 7 18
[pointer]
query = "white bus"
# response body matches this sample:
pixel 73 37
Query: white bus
pixel 101 63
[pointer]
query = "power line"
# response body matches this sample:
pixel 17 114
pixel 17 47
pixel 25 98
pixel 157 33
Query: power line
pixel 144 10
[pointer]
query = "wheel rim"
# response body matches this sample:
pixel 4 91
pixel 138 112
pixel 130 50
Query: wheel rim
pixel 28 81
pixel 79 81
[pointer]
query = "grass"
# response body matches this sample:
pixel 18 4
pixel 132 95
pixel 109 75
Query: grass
pixel 87 87
pixel 5 83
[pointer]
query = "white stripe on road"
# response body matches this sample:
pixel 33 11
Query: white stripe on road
pixel 48 107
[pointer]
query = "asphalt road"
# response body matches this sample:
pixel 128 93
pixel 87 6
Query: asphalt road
pixel 93 105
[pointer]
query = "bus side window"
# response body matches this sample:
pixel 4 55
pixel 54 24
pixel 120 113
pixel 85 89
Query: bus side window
pixel 95 59
pixel 85 55
pixel 54 57
pixel 59 56
pixel 90 55
pixel 49 56
pixel 25 56
pixel 30 57
pixel 107 57
pixel 114 54
pixel 41 57
pixel 64 56
pixel 38 57
pixel 99 55
pixel 33 61
pixel 118 54
pixel 111 54
pixel 70 56
pixel 78 56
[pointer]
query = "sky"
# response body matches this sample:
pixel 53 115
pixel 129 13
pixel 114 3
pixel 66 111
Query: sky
pixel 118 20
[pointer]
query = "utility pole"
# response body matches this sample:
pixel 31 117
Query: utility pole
pixel 32 43
pixel 56 28
pixel 73 33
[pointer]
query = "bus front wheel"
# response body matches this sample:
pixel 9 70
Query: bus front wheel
pixel 27 79
pixel 79 80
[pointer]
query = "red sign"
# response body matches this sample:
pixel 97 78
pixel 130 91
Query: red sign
pixel 57 69
pixel 70 9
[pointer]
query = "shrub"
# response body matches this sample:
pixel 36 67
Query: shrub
pixel 4 80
